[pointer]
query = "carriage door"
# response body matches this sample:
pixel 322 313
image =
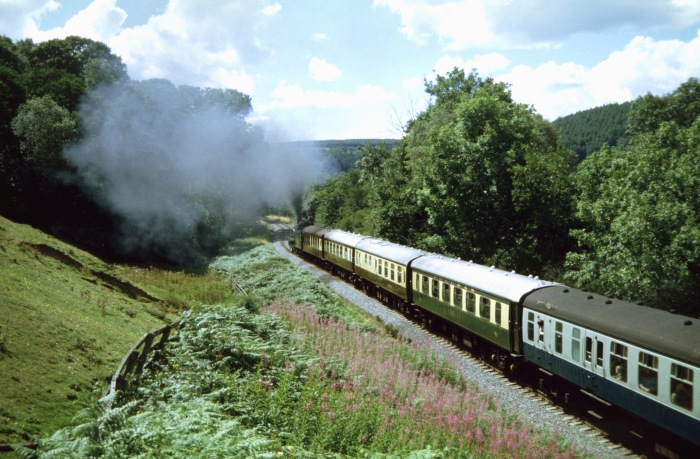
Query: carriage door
pixel 593 358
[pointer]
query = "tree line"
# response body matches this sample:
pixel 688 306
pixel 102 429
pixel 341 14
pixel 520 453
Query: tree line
pixel 481 177
pixel 476 175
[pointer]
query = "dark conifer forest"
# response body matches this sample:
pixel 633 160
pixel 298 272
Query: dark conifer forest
pixel 587 131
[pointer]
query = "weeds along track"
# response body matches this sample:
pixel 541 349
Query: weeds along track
pixel 514 395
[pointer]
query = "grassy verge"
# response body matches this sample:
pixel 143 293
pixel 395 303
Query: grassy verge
pixel 66 320
pixel 291 371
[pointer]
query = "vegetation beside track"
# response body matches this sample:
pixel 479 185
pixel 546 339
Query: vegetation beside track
pixel 289 370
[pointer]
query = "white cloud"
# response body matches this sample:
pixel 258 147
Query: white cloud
pixel 271 10
pixel 643 65
pixel 321 70
pixel 320 36
pixel 100 21
pixel 365 112
pixel 20 18
pixel 413 83
pixel 485 64
pixel 457 24
pixel 461 24
pixel 188 44
pixel 293 95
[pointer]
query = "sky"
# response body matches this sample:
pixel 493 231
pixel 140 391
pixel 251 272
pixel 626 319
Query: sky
pixel 356 69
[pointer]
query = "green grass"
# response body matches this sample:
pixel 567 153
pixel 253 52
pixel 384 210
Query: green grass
pixel 66 321
pixel 181 288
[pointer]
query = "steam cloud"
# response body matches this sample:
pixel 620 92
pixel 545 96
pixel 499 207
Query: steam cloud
pixel 181 166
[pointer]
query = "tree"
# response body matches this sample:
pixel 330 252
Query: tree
pixel 477 168
pixel 66 68
pixel 12 95
pixel 44 128
pixel 682 106
pixel 476 176
pixel 639 208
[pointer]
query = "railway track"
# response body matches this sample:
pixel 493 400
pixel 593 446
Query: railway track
pixel 575 423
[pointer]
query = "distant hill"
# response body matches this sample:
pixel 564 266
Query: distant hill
pixel 587 131
pixel 343 154
pixel 66 321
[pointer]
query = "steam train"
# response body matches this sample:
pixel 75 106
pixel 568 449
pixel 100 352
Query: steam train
pixel 581 347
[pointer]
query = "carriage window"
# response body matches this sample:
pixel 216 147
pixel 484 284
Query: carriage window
pixel 599 354
pixel 485 308
pixel 531 326
pixel 393 267
pixel 648 373
pixel 618 361
pixel 436 287
pixel 400 274
pixel 589 350
pixel 682 386
pixel 458 297
pixel 576 344
pixel 471 303
pixel 558 337
pixel 425 285
pixel 498 313
pixel 446 292
pixel 386 268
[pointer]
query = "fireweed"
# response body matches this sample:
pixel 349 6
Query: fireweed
pixel 395 397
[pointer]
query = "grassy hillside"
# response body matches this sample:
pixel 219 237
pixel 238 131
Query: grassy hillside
pixel 66 321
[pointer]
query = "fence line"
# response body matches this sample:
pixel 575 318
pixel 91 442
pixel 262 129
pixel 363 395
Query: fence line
pixel 135 360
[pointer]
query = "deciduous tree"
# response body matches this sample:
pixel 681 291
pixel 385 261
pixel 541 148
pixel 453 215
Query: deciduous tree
pixel 640 208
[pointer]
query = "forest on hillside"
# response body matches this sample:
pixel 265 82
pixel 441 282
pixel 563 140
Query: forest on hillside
pixel 165 173
pixel 589 130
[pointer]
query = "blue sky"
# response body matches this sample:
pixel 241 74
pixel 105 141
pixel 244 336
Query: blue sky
pixel 336 69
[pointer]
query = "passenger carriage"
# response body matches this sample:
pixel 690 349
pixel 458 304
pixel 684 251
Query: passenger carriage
pixel 478 305
pixel 641 359
pixel 339 251
pixel 310 240
pixel 384 267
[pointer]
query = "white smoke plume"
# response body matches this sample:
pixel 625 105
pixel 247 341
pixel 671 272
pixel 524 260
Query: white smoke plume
pixel 181 166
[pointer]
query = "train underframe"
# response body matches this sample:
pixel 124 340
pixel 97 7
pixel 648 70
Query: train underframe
pixel 642 436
